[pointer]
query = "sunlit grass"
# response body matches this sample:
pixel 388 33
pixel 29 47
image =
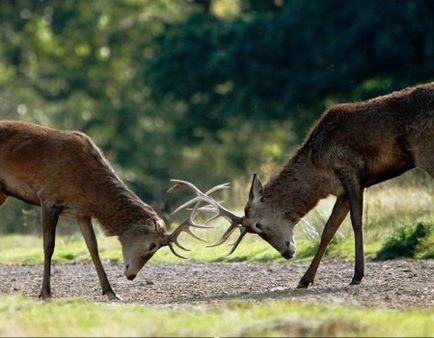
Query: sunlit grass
pixel 20 249
pixel 27 249
pixel 72 317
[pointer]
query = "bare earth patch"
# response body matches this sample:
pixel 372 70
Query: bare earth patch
pixel 392 284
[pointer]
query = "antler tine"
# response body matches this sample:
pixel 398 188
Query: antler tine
pixel 175 241
pixel 205 208
pixel 174 252
pixel 185 205
pixel 212 218
pixel 179 183
pixel 185 226
pixel 200 196
pixel 189 184
pixel 243 232
pixel 211 206
pixel 196 189
pixel 190 220
pixel 225 236
pixel 218 187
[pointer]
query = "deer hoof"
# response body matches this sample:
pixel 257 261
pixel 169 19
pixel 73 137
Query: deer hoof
pixel 44 295
pixel 111 296
pixel 356 280
pixel 304 283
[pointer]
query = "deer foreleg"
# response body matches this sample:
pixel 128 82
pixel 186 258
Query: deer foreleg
pixel 92 245
pixel 50 216
pixel 340 211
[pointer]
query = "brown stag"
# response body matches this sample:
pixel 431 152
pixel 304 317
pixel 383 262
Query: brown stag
pixel 353 146
pixel 65 173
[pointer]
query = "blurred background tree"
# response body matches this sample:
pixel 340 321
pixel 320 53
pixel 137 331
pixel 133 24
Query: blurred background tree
pixel 207 90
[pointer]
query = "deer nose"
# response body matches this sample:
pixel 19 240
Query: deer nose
pixel 131 277
pixel 288 254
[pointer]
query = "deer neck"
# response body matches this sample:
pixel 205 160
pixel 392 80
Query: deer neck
pixel 120 209
pixel 298 187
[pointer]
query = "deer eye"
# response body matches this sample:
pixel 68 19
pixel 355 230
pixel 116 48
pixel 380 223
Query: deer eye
pixel 259 226
pixel 152 246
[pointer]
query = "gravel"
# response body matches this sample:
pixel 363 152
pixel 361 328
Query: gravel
pixel 391 284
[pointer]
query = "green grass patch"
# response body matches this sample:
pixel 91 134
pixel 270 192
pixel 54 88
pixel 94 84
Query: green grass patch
pixel 345 249
pixel 26 249
pixel 409 241
pixel 72 317
pixel 405 242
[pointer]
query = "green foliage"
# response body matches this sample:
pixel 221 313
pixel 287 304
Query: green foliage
pixel 426 247
pixel 290 63
pixel 72 317
pixel 207 90
pixel 406 241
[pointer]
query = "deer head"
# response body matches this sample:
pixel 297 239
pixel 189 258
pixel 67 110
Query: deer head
pixel 260 218
pixel 273 225
pixel 142 241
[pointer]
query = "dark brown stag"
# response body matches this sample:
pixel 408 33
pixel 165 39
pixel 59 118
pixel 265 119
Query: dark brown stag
pixel 354 146
pixel 65 173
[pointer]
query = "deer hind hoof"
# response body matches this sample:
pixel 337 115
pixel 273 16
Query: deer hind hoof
pixel 45 296
pixel 356 280
pixel 304 284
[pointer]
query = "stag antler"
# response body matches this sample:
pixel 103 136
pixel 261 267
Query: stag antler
pixel 189 222
pixel 212 206
pixel 185 227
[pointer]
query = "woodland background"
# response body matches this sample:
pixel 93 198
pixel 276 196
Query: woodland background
pixel 206 90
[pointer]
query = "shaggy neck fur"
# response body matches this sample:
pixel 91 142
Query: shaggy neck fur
pixel 121 210
pixel 118 209
pixel 298 187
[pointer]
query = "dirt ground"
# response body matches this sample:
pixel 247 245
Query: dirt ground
pixel 391 284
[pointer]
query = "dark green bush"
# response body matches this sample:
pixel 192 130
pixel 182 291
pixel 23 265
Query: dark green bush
pixel 405 241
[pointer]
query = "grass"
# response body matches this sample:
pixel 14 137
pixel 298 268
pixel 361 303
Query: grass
pixel 72 317
pixel 27 249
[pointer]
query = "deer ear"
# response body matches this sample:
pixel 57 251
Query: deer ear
pixel 256 190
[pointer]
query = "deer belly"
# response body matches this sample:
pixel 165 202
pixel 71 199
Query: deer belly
pixel 18 189
pixel 387 165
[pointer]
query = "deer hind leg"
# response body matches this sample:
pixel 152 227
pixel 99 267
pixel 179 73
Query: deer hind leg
pixel 92 245
pixel 3 198
pixel 340 211
pixel 50 217
pixel 354 190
